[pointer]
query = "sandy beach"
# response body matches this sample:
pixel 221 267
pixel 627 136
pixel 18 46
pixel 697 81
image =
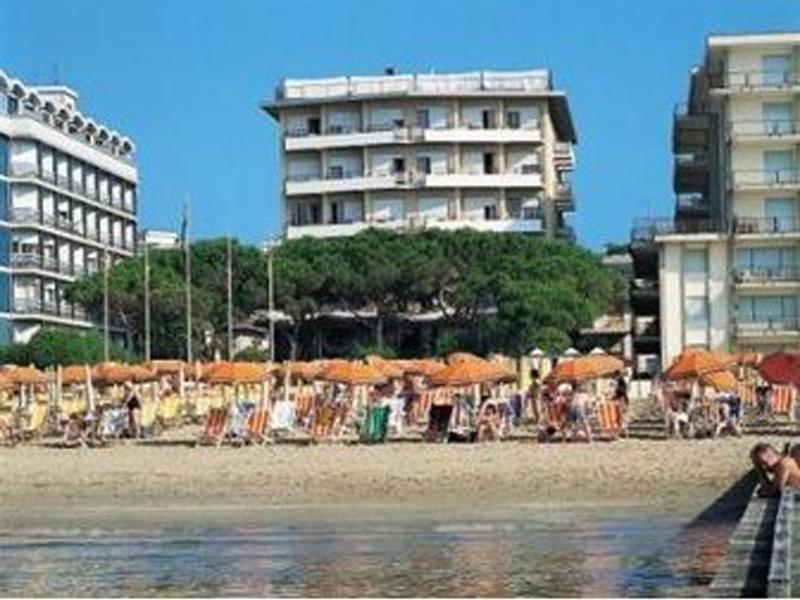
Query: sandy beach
pixel 34 478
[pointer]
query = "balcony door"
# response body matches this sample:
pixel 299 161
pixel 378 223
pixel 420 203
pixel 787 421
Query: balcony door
pixel 781 213
pixel 776 69
pixel 779 166
pixel 777 118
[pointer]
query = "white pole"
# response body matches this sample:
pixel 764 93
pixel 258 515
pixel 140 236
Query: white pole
pixel 188 267
pixel 106 331
pixel 230 300
pixel 270 251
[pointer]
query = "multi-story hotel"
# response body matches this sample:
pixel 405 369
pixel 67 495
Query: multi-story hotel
pixel 729 262
pixel 67 201
pixel 487 150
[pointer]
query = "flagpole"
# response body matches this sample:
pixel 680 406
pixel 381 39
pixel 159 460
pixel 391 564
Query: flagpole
pixel 230 300
pixel 106 329
pixel 146 302
pixel 188 267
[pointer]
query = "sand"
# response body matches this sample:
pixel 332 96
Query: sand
pixel 35 478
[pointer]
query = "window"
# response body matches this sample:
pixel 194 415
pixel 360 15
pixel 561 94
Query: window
pixel 776 69
pixel 314 125
pixel 695 264
pixel 778 166
pixel 767 310
pixel 696 309
pixel 488 119
pixel 336 172
pixel 781 214
pixel 423 118
pixel 490 212
pixel 777 118
pixel 488 163
pixel 513 120
pixel 424 164
pixel 398 165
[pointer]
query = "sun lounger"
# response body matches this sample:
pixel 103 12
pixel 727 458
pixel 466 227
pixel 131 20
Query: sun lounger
pixel 747 392
pixel 149 418
pixel 325 420
pixel 783 397
pixel 257 426
pixel 36 420
pixel 215 427
pixel 609 417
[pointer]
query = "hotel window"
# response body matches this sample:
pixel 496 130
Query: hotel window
pixel 336 172
pixel 778 166
pixel 696 309
pixel 424 164
pixel 777 117
pixel 695 264
pixel 776 69
pixel 513 120
pixel 423 118
pixel 770 311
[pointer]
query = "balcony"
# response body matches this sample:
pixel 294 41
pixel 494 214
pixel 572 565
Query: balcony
pixel 767 275
pixel 755 81
pixel 297 185
pixel 763 130
pixel 563 198
pixel 692 205
pixel 563 156
pixel 34 260
pixel 412 223
pixel 31 306
pixel 690 132
pixel 691 172
pixel 766 225
pixel 388 134
pixel 647 229
pixel 763 179
pixel 768 326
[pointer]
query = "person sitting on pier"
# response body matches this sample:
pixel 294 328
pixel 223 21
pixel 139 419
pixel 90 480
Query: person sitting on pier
pixel 776 471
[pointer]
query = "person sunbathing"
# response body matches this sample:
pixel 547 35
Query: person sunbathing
pixel 488 423
pixel 776 471
pixel 73 432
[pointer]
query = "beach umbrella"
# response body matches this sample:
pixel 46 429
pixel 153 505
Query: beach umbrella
pixel 74 374
pixel 236 372
pixel 302 370
pixel 748 359
pixel 781 368
pixel 537 353
pixel 691 364
pixel 723 381
pixel 458 357
pixel 597 351
pixel 352 373
pixel 471 372
pixel 571 353
pixel 167 366
pixel 584 368
pixel 422 366
pixel 24 376
pixel 392 369
pixel 114 373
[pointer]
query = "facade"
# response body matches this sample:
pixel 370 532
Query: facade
pixel 67 201
pixel 487 150
pixel 729 262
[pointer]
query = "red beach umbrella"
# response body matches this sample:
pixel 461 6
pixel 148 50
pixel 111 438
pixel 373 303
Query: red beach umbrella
pixel 781 368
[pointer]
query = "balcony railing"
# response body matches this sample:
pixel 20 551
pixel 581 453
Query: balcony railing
pixel 759 178
pixel 764 127
pixel 29 305
pixel 404 132
pixel 692 201
pixel 779 78
pixel 646 229
pixel 34 260
pixel 767 325
pixel 767 274
pixel 755 225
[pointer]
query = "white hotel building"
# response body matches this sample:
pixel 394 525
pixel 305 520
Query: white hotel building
pixel 67 200
pixel 487 150
pixel 730 261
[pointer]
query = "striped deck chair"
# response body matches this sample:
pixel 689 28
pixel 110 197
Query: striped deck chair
pixel 201 405
pixel 304 404
pixel 609 416
pixel 746 392
pixel 556 415
pixel 215 427
pixel 325 421
pixel 257 423
pixel 35 420
pixel 783 397
pixel 148 419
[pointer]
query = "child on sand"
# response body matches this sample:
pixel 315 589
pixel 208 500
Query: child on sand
pixel 776 471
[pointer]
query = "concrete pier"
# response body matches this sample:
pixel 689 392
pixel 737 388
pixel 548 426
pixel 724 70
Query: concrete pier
pixel 761 559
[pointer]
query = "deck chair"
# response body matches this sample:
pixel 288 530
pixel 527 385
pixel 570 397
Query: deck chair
pixel 257 426
pixel 376 424
pixel 783 397
pixel 148 420
pixel 609 417
pixel 326 416
pixel 215 427
pixel 556 415
pixel 747 392
pixel 438 422
pixel 36 421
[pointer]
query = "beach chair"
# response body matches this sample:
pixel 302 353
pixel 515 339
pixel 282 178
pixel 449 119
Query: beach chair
pixel 257 426
pixel 35 422
pixel 376 424
pixel 439 422
pixel 746 392
pixel 783 397
pixel 326 416
pixel 149 418
pixel 215 427
pixel 609 417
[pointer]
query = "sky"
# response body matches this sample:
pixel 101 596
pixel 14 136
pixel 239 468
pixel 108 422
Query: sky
pixel 184 80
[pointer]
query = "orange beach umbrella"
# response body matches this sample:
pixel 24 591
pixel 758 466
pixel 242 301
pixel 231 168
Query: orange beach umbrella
pixel 470 372
pixel 584 368
pixel 236 372
pixel 692 364
pixel 352 373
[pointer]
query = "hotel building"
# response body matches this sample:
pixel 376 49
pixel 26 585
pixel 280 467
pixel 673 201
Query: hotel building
pixel 487 150
pixel 729 262
pixel 67 201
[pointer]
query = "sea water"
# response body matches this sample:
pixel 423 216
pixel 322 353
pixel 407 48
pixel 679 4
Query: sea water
pixel 424 550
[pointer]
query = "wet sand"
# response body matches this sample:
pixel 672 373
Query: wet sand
pixel 36 480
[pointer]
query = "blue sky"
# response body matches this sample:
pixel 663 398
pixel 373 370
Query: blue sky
pixel 184 80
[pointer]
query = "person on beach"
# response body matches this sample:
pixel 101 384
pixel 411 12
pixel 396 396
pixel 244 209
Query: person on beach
pixel 762 399
pixel 578 419
pixel 776 471
pixel 621 390
pixel 133 405
pixel 488 423
pixel 73 432
pixel 534 391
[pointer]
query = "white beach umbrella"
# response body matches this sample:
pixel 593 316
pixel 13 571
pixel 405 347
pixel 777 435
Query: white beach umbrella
pixel 537 353
pixel 571 353
pixel 597 351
